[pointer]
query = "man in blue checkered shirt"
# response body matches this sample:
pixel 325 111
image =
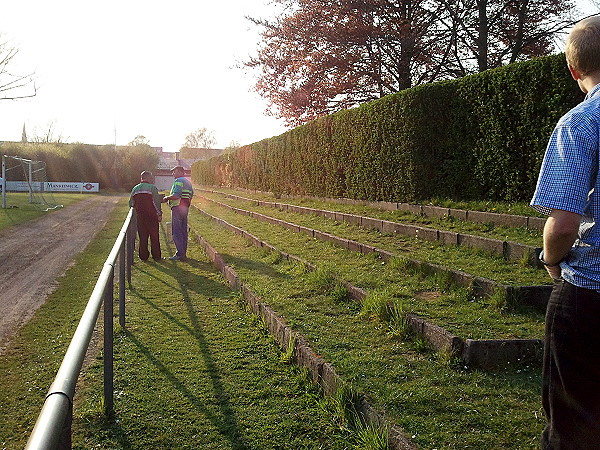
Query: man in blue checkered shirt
pixel 568 190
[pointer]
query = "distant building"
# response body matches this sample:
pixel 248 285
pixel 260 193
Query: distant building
pixel 185 158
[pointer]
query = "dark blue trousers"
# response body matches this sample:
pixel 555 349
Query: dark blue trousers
pixel 179 226
pixel 571 372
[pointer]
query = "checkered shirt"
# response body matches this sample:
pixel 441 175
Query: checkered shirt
pixel 569 181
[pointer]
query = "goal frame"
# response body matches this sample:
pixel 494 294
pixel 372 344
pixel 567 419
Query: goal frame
pixel 28 175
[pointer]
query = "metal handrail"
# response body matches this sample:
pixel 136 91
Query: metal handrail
pixel 53 427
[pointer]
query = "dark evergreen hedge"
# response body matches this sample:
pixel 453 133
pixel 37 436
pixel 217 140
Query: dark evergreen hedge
pixel 478 138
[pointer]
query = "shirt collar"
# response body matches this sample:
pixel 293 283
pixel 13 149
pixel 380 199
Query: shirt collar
pixel 593 92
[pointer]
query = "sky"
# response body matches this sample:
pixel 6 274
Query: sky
pixel 135 67
pixel 109 71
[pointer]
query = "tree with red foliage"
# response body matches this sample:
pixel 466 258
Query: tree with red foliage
pixel 322 56
pixel 333 54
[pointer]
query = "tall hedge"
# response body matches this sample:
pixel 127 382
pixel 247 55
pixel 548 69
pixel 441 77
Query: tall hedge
pixel 479 138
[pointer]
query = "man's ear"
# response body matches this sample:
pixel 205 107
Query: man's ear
pixel 574 73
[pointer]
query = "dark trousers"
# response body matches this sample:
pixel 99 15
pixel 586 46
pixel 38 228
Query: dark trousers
pixel 148 228
pixel 571 372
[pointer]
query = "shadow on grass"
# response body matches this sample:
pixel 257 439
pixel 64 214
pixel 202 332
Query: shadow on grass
pixel 189 283
pixel 254 266
pixel 226 422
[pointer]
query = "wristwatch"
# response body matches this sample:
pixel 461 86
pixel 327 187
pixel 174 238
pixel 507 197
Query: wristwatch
pixel 548 264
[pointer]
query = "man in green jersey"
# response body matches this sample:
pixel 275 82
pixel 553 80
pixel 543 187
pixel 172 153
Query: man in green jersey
pixel 179 200
pixel 145 199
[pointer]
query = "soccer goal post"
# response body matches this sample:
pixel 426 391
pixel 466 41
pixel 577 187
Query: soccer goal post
pixel 26 175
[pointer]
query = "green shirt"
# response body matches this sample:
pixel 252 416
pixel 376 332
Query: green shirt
pixel 147 188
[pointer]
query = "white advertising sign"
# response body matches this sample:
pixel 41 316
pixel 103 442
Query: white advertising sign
pixel 52 186
pixel 23 186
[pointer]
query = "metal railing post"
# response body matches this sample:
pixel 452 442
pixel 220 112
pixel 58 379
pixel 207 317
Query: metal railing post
pixel 53 426
pixel 122 285
pixel 66 437
pixel 109 298
pixel 131 232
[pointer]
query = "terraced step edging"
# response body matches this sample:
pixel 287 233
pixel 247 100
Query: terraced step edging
pixel 322 372
pixel 354 292
pixel 487 354
pixel 534 296
pixel 510 220
pixel 511 251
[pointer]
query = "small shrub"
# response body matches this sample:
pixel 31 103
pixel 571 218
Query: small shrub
pixel 370 437
pixel 448 358
pixel 342 406
pixel 421 345
pixel 322 279
pixel 443 280
pixel 300 268
pixel 498 299
pixel 376 304
pixel 339 293
pixel 287 357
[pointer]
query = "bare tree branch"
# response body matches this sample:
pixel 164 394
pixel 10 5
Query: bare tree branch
pixel 12 85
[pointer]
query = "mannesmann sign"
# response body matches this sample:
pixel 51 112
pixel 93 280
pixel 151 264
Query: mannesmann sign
pixel 52 186
pixel 71 187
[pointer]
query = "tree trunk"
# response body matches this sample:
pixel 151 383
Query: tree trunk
pixel 408 47
pixel 519 37
pixel 482 36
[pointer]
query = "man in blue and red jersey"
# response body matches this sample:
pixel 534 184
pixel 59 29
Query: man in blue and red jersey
pixel 179 200
pixel 146 200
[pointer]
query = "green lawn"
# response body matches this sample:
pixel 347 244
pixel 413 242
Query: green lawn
pixel 194 369
pixel 19 209
pixel 473 261
pixel 440 403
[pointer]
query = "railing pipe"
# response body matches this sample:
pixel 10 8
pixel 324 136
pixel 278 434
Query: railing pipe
pixel 109 299
pixel 122 281
pixel 52 429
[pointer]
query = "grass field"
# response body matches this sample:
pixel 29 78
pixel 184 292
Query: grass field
pixel 194 369
pixel 439 403
pixel 19 209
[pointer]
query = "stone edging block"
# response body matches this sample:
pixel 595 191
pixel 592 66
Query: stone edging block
pixel 497 219
pixel 493 354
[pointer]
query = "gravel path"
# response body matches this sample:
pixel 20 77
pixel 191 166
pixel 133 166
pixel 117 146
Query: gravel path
pixel 34 254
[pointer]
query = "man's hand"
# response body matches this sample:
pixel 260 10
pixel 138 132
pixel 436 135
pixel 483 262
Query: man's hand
pixel 554 272
pixel 560 233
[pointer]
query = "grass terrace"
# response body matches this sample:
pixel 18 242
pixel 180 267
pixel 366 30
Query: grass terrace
pixel 439 403
pixel 522 235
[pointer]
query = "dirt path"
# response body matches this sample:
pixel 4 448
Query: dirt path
pixel 34 254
